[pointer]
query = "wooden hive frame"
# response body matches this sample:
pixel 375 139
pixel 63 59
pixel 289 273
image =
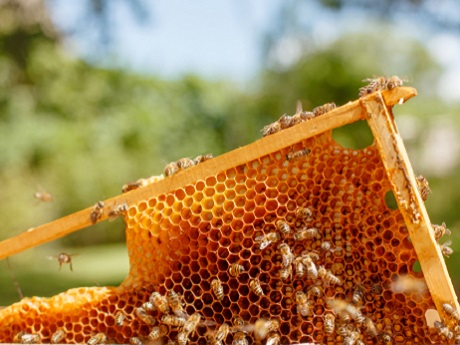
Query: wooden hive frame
pixel 375 108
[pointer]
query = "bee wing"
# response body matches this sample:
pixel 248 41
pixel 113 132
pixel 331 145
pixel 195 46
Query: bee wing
pixel 447 243
pixel 49 257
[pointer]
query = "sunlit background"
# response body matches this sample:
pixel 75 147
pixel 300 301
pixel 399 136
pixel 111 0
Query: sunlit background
pixel 97 93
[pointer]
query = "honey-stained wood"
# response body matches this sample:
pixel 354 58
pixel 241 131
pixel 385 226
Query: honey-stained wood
pixel 404 185
pixel 341 116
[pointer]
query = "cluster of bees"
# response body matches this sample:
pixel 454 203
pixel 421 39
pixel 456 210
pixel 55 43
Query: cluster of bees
pixel 380 84
pixel 184 163
pixel 113 213
pixel 56 338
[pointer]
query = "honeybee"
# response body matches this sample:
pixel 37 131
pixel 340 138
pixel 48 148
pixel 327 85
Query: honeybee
pixel 299 267
pixel 371 330
pixel 326 245
pixel 358 295
pixel 43 196
pixel 443 330
pixel 176 305
pixel 286 121
pixel 345 317
pixel 135 341
pixel 298 154
pixel 254 284
pixel 263 326
pixel 120 318
pixel 63 258
pixel 440 230
pixel 329 323
pixel 351 339
pixel 267 239
pixel 323 109
pixel 445 248
pixel 158 332
pixel 394 82
pixel 237 321
pixel 26 338
pixel 423 187
pixel 235 270
pixel 171 169
pixel 182 338
pixel 303 305
pixel 218 289
pixel 375 84
pixel 273 338
pixel 305 234
pixel 286 255
pixel 386 338
pixel 117 210
pixel 315 291
pixel 144 316
pixel 272 128
pixel 407 283
pixel 285 273
pixel 304 212
pixel 202 158
pixel 283 227
pixel 160 302
pixel 130 186
pixel 312 271
pixel 328 277
pixel 172 320
pixel 191 324
pixel 98 338
pixel 221 334
pixel 185 163
pixel 451 311
pixel 148 306
pixel 340 306
pixel 57 336
pixel 240 339
pixel 344 330
pixel 96 213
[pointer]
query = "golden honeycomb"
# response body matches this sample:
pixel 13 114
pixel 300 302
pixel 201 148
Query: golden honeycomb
pixel 183 239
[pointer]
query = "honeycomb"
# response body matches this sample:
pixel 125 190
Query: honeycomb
pixel 184 239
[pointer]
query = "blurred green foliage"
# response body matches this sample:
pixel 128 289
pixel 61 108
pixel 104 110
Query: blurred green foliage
pixel 81 132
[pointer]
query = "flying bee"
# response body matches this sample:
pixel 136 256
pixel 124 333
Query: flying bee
pixel 157 332
pixel 265 240
pixel 135 341
pixel 43 196
pixel 57 336
pixel 312 271
pixel 358 295
pixel 144 316
pixel 329 323
pixel 440 230
pixel 305 234
pixel 445 248
pixel 235 270
pixel 63 258
pixel 371 330
pixel 406 283
pixel 286 255
pixel 218 289
pixel 171 169
pixel 304 212
pixel 303 305
pixel 272 128
pixel 283 227
pixel 451 311
pixel 98 338
pixel 315 291
pixel 273 338
pixel 160 302
pixel 443 330
pixel 202 158
pixel 27 338
pixel 297 154
pixel 176 305
pixel 254 284
pixel 148 306
pixel 423 187
pixel 299 267
pixel 116 211
pixel 120 318
pixel 240 339
pixel 96 213
pixel 328 277
pixel 323 109
pixel 285 273
pixel 173 320
pixel 386 338
pixel 185 163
